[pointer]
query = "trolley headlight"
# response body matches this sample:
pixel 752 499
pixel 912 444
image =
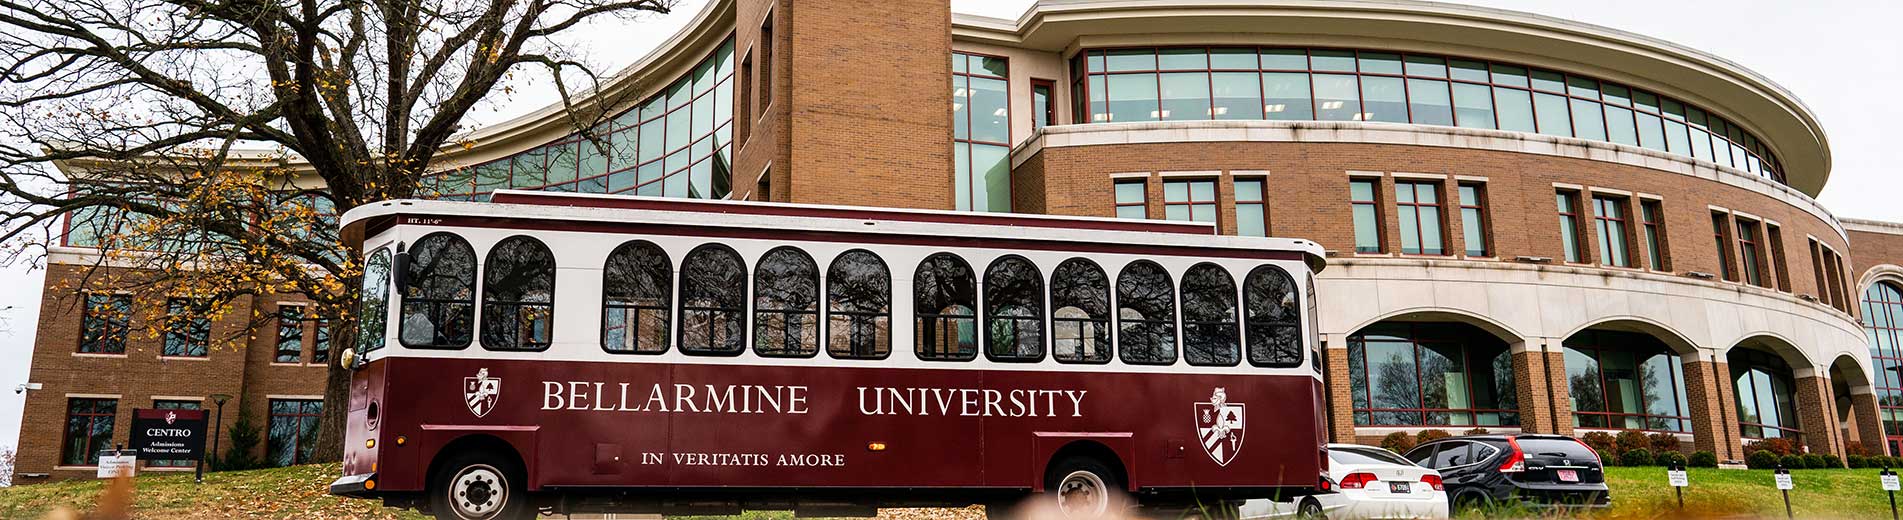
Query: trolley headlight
pixel 348 359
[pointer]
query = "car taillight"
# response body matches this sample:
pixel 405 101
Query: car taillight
pixel 1356 480
pixel 1595 453
pixel 1516 460
pixel 1433 480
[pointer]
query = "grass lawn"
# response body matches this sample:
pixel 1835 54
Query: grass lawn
pixel 1819 493
pixel 293 492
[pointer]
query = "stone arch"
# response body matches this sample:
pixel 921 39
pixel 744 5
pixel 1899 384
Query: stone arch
pixel 1856 405
pixel 1891 273
pixel 1776 344
pixel 1677 341
pixel 1446 315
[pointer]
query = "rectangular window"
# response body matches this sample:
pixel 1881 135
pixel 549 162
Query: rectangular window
pixel 292 431
pixel 104 323
pixel 981 133
pixel 1609 217
pixel 1834 274
pixel 1774 240
pixel 1473 219
pixel 173 405
pixel 1043 113
pixel 1365 200
pixel 744 123
pixel 1750 251
pixel 320 342
pixel 1720 232
pixel 88 430
pixel 187 328
pixel 1570 225
pixel 1252 210
pixel 1817 269
pixel 1190 200
pixel 1417 206
pixel 1652 216
pixel 767 43
pixel 290 345
pixel 1131 199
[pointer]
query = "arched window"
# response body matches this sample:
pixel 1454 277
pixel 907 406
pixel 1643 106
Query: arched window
pixel 1767 399
pixel 1430 374
pixel 1014 310
pixel 713 301
pixel 786 304
pixel 945 307
pixel 636 294
pixel 373 309
pixel 1625 380
pixel 858 306
pixel 518 295
pixel 1209 316
pixel 439 293
pixel 1080 325
pixel 1273 318
pixel 1146 314
pixel 1883 323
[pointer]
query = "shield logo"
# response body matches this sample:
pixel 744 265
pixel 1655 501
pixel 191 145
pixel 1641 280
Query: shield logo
pixel 1219 427
pixel 480 392
pixel 171 417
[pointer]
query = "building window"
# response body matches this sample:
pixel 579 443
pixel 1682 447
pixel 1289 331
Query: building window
pixel 1570 226
pixel 858 306
pixel 946 309
pixel 518 295
pixel 1364 198
pixel 1418 208
pixel 1883 322
pixel 160 404
pixel 1608 214
pixel 1131 199
pixel 1081 324
pixel 767 44
pixel 1193 201
pixel 1014 310
pixel 1767 406
pixel 1043 113
pixel 1473 219
pixel 981 132
pixel 290 343
pixel 636 299
pixel 1721 235
pixel 104 323
pixel 320 342
pixel 1252 210
pixel 1430 374
pixel 1750 251
pixel 187 327
pixel 713 301
pixel 1146 314
pixel 88 430
pixel 439 293
pixel 292 431
pixel 786 304
pixel 1652 218
pixel 1817 270
pixel 1627 381
pixel 1209 316
pixel 744 123
pixel 1834 268
pixel 1780 272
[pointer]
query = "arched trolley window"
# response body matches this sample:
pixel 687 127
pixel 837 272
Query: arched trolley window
pixel 1273 318
pixel 1209 316
pixel 636 296
pixel 1080 325
pixel 786 304
pixel 1014 310
pixel 1146 314
pixel 713 301
pixel 439 293
pixel 945 309
pixel 858 306
pixel 518 295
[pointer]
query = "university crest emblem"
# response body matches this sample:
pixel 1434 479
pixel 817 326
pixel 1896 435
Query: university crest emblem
pixel 1219 427
pixel 171 417
pixel 480 392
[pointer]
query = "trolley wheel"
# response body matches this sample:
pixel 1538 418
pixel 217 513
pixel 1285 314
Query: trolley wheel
pixel 1083 487
pixel 472 485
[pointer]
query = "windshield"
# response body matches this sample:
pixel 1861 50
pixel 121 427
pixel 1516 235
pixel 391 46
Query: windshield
pixel 374 308
pixel 1364 456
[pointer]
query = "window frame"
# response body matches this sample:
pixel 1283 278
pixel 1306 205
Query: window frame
pixel 666 309
pixel 1379 223
pixel 739 313
pixel 114 330
pixel 1571 217
pixel 1721 232
pixel 1105 323
pixel 1048 117
pixel 1041 305
pixel 1482 222
pixel 783 311
pixel 885 278
pixel 1233 324
pixel 1417 341
pixel 89 454
pixel 297 438
pixel 1751 251
pixel 293 332
pixel 1613 231
pixel 1250 323
pixel 946 322
pixel 1168 283
pixel 192 316
pixel 1142 204
pixel 1190 203
pixel 1589 344
pixel 961 79
pixel 1261 202
pixel 437 305
pixel 518 307
pixel 1774 241
pixel 1657 246
pixel 1414 205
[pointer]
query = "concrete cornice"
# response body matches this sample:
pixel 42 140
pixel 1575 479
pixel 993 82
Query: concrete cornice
pixel 1060 136
pixel 1733 91
pixel 1873 226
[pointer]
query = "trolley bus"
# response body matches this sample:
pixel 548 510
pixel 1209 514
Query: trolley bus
pixel 579 353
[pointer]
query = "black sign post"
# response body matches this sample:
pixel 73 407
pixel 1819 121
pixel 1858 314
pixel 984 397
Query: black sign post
pixel 1890 485
pixel 170 435
pixel 1783 478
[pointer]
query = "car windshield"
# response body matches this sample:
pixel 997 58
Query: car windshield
pixel 1566 448
pixel 1364 456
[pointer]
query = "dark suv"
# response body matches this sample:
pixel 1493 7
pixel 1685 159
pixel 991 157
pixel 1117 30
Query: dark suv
pixel 1516 470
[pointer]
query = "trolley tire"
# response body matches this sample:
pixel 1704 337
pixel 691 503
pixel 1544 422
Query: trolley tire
pixel 1088 479
pixel 496 482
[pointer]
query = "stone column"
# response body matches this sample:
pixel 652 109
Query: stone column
pixel 1713 405
pixel 1869 425
pixel 1539 376
pixel 1813 412
pixel 1341 413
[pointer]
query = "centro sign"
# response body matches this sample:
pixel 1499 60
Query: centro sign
pixel 169 434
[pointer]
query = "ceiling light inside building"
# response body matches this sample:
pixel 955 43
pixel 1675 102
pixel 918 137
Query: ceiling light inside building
pixel 1278 107
pixel 998 112
pixel 1331 105
pixel 1218 111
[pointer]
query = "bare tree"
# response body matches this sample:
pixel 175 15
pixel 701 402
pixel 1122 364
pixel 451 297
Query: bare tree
pixel 209 144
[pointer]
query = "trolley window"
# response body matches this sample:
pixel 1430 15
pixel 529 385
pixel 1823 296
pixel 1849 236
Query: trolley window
pixel 518 295
pixel 713 301
pixel 373 309
pixel 1273 318
pixel 1209 316
pixel 439 293
pixel 858 306
pixel 1080 325
pixel 635 299
pixel 1014 310
pixel 945 300
pixel 1146 314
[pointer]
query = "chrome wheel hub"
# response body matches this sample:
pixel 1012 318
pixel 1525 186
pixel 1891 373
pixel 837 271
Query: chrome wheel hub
pixel 1081 494
pixel 478 492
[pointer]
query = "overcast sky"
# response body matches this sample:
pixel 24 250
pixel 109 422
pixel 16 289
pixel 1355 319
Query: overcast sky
pixel 1842 58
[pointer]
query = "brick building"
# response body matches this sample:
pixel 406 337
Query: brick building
pixel 1533 224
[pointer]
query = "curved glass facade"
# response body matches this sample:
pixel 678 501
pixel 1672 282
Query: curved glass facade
pixel 1297 84
pixel 1430 374
pixel 1883 322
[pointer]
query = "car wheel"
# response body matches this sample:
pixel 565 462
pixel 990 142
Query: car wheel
pixel 477 486
pixel 1310 509
pixel 1082 487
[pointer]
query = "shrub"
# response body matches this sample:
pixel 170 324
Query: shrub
pixel 1780 447
pixel 1669 458
pixel 239 455
pixel 1761 459
pixel 1663 442
pixel 1832 462
pixel 1855 448
pixel 1814 461
pixel 1792 461
pixel 1603 443
pixel 1636 457
pixel 1398 442
pixel 1475 431
pixel 1428 435
pixel 1631 440
pixel 1702 459
pixel 1856 460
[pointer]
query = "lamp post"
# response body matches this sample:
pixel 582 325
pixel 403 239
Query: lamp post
pixel 218 425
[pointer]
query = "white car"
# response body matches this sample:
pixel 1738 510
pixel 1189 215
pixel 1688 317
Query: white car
pixel 1369 482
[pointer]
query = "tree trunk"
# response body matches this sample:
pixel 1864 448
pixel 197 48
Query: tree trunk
pixel 331 426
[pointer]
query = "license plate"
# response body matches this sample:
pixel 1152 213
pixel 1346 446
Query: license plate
pixel 1399 487
pixel 1567 475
